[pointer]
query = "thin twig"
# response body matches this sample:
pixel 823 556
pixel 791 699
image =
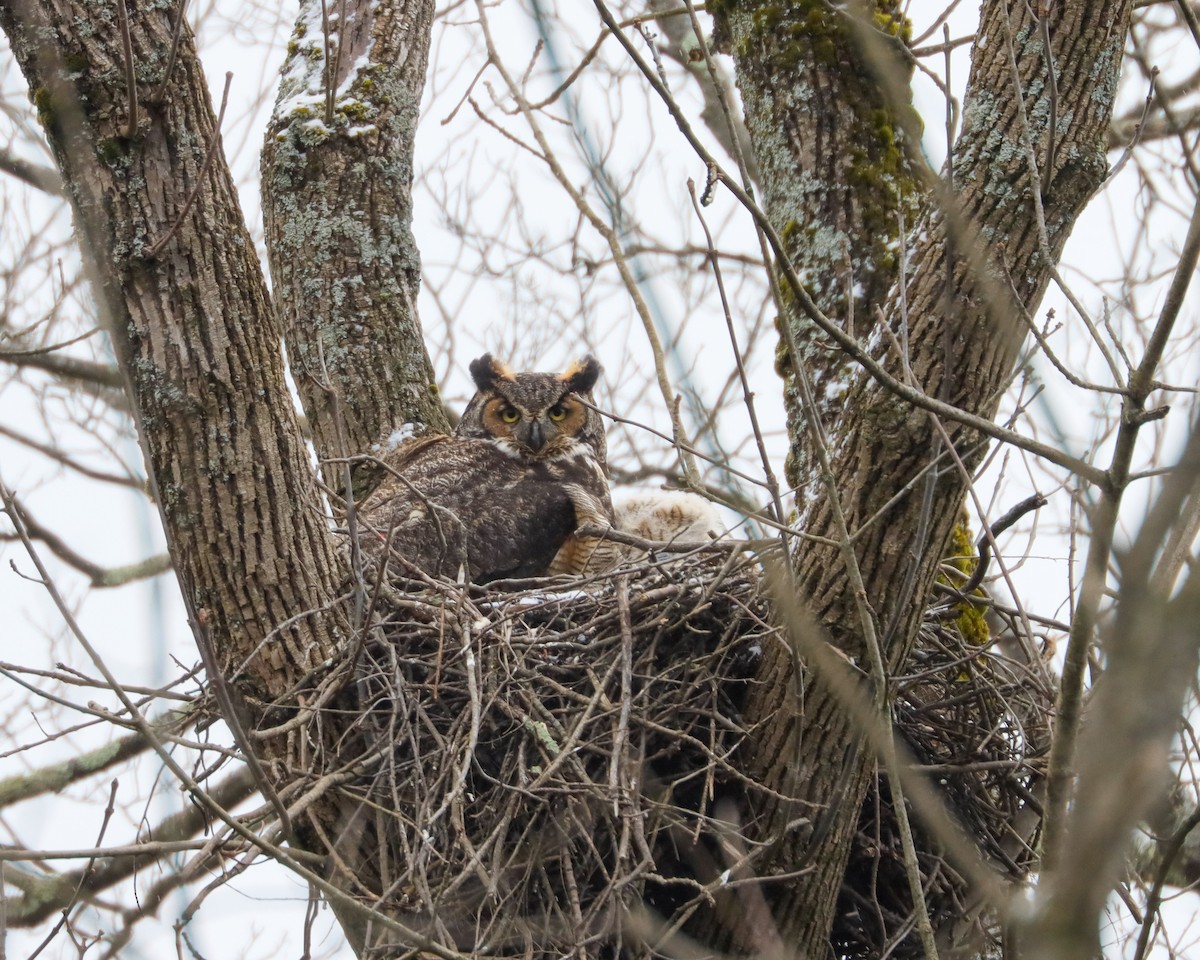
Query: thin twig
pixel 130 75
pixel 747 394
pixel 176 33
pixel 157 247
pixel 98 575
pixel 87 871
pixel 1052 85
pixel 1104 523
pixel 1172 849
pixel 984 544
pixel 853 348
pixel 1138 129
pixel 610 236
pixel 327 36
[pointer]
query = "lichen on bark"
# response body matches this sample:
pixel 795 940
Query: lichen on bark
pixel 974 262
pixel 829 111
pixel 337 191
pixel 183 298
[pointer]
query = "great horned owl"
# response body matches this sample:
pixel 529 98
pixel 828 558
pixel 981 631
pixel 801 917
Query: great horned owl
pixel 673 516
pixel 670 516
pixel 504 496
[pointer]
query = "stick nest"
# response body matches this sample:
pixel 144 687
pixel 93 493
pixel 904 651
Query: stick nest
pixel 555 771
pixel 977 723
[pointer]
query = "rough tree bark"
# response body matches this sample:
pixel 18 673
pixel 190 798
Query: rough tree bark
pixel 337 198
pixel 199 343
pixel 834 151
pixel 183 296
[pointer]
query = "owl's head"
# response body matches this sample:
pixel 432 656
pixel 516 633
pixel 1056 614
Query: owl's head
pixel 538 415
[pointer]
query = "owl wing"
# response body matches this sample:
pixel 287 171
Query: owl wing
pixel 585 483
pixel 581 554
pixel 397 517
pixel 455 503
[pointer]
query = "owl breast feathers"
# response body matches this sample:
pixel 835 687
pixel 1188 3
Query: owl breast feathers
pixel 502 497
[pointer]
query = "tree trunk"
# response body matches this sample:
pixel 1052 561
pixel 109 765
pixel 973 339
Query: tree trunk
pixel 899 494
pixel 844 176
pixel 337 199
pixel 185 303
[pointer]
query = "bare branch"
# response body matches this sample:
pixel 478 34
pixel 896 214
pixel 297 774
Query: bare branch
pixel 45 179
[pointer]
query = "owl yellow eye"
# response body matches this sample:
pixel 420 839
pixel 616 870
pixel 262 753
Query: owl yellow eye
pixel 558 412
pixel 510 415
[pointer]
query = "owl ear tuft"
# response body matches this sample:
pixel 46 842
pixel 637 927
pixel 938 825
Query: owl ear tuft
pixel 487 370
pixel 582 375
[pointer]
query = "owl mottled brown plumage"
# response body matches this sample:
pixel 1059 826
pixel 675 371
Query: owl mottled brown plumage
pixel 504 496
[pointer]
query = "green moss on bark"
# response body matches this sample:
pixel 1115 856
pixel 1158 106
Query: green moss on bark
pixel 839 175
pixel 968 617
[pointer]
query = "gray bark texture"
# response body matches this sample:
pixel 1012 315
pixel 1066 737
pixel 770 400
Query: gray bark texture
pixel 198 340
pixel 825 97
pixel 337 196
pixel 186 305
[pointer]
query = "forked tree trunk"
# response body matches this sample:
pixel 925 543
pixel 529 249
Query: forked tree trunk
pixel 801 70
pixel 199 342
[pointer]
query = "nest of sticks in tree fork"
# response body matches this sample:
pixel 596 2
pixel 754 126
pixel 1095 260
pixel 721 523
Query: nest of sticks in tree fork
pixel 547 770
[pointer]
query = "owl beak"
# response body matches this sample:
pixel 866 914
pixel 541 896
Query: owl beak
pixel 537 436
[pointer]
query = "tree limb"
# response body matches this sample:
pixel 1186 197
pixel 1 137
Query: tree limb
pixel 47 893
pixel 45 179
pixel 337 201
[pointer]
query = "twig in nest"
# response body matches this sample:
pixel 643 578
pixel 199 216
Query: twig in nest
pixel 721 545
pixel 984 543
